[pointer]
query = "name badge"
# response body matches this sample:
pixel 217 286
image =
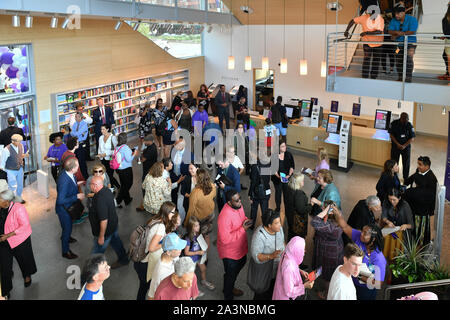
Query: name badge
pixel 403 136
pixel 268 192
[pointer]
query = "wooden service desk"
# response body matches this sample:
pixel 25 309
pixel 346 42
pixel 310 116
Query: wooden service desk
pixel 364 149
pixel 361 121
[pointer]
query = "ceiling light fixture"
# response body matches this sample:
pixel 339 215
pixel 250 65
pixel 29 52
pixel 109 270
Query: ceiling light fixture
pixel 16 21
pixel 54 23
pixel 334 6
pixel 231 57
pixel 265 59
pixel 65 23
pixel 283 62
pixel 248 58
pixel 304 62
pixel 136 25
pixel 28 21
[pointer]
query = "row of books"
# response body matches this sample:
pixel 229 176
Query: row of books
pixel 85 94
pixel 125 112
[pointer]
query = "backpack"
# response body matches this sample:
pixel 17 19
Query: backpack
pixel 138 242
pixel 114 163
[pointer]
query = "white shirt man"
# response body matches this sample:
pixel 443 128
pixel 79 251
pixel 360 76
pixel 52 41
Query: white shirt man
pixel 341 284
pixel 86 117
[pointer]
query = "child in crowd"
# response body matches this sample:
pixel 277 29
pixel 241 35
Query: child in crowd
pixel 194 250
pixel 269 132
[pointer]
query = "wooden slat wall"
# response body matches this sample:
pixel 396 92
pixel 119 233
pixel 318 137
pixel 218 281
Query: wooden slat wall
pixel 315 11
pixel 93 55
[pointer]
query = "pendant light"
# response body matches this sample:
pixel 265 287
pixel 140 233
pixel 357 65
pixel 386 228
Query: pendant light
pixel 29 21
pixel 230 57
pixel 265 59
pixel 283 62
pixel 248 59
pixel 323 67
pixel 16 21
pixel 304 62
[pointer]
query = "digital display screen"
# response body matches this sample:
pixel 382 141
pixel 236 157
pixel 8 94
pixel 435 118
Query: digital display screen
pixel 333 124
pixel 382 119
pixel 306 108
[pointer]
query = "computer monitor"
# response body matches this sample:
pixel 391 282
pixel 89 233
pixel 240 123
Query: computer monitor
pixel 382 119
pixel 306 108
pixel 295 111
pixel 334 123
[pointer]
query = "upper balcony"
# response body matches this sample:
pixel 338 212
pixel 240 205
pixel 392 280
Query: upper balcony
pixel 356 70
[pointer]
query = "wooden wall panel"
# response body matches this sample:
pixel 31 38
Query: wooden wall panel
pixel 93 55
pixel 315 11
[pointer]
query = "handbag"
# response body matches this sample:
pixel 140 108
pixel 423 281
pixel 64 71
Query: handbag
pixel 260 189
pixel 259 276
pixel 75 210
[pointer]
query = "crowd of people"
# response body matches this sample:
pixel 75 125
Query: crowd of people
pixel 180 199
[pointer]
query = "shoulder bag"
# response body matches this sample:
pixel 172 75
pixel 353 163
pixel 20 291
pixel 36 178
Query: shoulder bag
pixel 75 210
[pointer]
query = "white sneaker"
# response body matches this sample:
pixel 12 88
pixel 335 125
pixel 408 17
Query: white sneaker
pixel 208 284
pixel 200 293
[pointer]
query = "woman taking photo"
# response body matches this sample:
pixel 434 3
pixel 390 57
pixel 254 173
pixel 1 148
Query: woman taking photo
pixel 370 240
pixel 328 246
pixel 388 180
pixel 202 204
pixel 324 190
pixel 157 188
pixel 187 186
pixel 396 212
pixel 146 122
pixel 160 225
pixel 15 241
pixel 267 245
pixel 297 207
pixel 289 283
pixel 106 145
pixel 125 157
pixel 285 171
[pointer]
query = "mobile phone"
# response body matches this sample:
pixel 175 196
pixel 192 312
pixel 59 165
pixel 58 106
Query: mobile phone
pixel 312 276
pixel 248 222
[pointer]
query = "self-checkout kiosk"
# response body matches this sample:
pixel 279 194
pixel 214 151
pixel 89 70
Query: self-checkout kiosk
pixel 316 116
pixel 382 123
pixel 340 133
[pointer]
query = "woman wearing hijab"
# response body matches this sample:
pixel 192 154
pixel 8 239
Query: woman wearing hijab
pixel 289 284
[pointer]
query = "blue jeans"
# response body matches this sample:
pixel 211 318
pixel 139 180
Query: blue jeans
pixel 280 128
pixel 232 269
pixel 116 244
pixel 66 224
pixel 15 181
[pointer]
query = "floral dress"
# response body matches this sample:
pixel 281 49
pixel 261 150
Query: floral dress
pixel 157 191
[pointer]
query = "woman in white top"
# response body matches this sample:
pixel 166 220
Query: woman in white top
pixel 106 144
pixel 161 224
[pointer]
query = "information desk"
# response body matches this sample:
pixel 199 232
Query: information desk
pixel 365 150
pixel 361 121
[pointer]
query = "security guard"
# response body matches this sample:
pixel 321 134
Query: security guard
pixel 402 134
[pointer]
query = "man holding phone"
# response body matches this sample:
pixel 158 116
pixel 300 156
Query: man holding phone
pixel 232 242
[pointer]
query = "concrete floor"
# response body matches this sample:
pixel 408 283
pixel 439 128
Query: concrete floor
pixel 55 276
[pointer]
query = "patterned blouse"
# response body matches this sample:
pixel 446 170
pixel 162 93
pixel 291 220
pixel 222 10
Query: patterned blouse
pixel 157 191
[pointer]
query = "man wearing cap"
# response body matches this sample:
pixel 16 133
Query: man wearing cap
pixel 104 222
pixel 172 246
pixel 400 26
pixel 373 25
pixel 12 162
pixel 180 285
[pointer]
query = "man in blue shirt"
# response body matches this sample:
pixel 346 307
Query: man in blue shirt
pixel 80 130
pixel 404 25
pixel 95 272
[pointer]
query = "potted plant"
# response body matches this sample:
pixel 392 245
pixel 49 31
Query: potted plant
pixel 412 261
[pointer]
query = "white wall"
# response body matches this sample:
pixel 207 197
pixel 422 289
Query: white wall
pixel 217 49
pixel 431 120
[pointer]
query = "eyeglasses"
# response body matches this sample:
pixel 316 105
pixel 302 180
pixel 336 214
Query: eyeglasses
pixel 98 171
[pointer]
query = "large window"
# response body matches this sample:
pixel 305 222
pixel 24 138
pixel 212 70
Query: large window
pixel 14 68
pixel 217 6
pixel 169 3
pixel 191 4
pixel 179 40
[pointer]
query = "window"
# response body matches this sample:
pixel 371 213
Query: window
pixel 191 4
pixel 169 3
pixel 179 40
pixel 217 6
pixel 14 68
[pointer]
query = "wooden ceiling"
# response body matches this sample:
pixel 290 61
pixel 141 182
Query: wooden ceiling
pixel 315 11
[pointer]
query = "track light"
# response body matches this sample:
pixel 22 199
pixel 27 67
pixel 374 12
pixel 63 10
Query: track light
pixel 65 23
pixel 136 25
pixel 444 111
pixel 28 21
pixel 54 23
pixel 118 25
pixel 16 21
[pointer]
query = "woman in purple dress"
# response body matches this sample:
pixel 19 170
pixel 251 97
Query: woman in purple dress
pixel 55 153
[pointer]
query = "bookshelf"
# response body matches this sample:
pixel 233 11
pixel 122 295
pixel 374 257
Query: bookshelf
pixel 124 97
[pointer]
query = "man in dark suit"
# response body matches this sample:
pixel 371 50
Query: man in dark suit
pixel 104 222
pixel 6 134
pixel 67 194
pixel 227 169
pixel 223 101
pixel 102 115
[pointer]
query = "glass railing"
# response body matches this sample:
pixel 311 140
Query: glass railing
pixel 384 59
